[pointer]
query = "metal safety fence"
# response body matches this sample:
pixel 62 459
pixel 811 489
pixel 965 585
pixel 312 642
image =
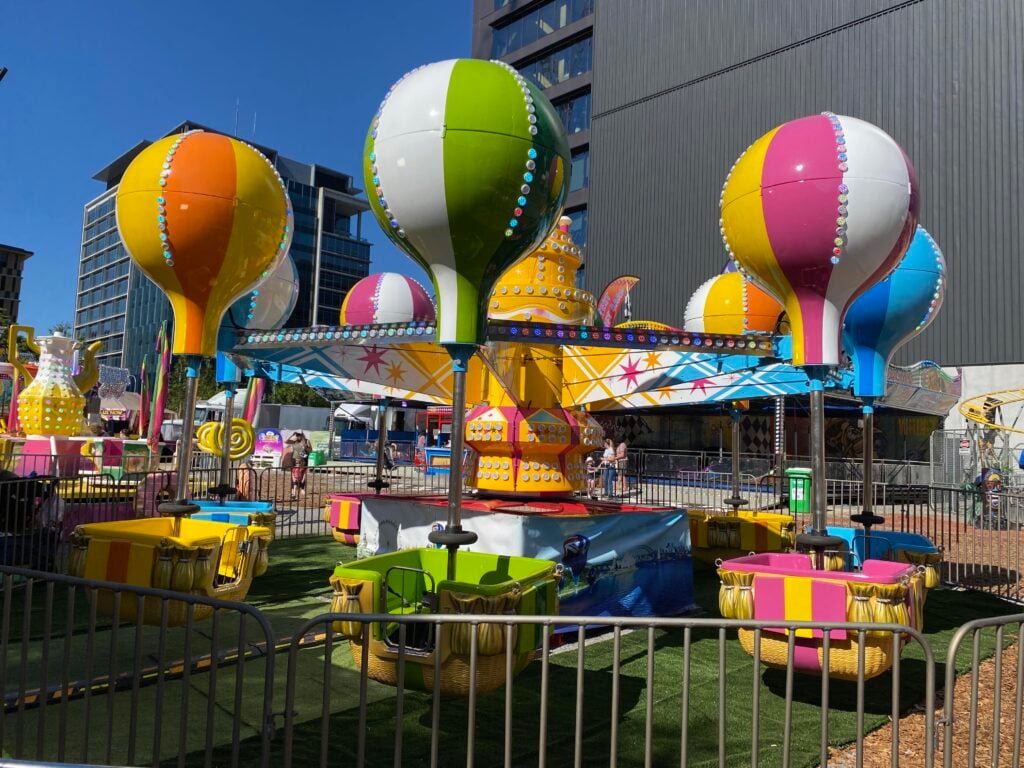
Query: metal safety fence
pixel 106 673
pixel 990 731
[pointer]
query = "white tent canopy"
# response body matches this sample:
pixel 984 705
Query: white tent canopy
pixel 127 401
pixel 353 412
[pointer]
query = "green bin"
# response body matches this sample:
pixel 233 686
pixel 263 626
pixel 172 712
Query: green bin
pixel 799 489
pixel 316 458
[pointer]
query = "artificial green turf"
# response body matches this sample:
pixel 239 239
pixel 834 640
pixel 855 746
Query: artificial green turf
pixel 295 588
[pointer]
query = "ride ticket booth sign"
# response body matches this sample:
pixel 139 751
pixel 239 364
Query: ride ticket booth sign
pixel 269 448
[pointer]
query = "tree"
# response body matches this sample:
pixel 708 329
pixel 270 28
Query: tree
pixel 63 327
pixel 295 394
pixel 176 383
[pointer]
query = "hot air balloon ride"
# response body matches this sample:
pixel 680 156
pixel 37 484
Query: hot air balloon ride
pixel 204 216
pixel 883 318
pixel 817 210
pixel 467 163
pixel 468 166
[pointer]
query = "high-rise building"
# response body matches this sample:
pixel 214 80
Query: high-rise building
pixel 12 261
pixel 551 43
pixel 121 306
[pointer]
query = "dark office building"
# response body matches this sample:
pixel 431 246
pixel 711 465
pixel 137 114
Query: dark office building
pixel 12 262
pixel 550 42
pixel 675 91
pixel 124 308
pixel 680 89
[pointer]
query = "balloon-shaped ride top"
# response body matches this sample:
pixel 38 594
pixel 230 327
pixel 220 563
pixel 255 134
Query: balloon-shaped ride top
pixel 892 312
pixel 387 297
pixel 268 305
pixel 468 164
pixel 204 216
pixel 731 303
pixel 818 210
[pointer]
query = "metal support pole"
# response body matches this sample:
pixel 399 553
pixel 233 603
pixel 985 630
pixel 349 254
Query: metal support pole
pixel 817 539
pixel 819 516
pixel 181 507
pixel 735 501
pixel 868 518
pixel 379 483
pixel 869 450
pixel 453 536
pixel 225 488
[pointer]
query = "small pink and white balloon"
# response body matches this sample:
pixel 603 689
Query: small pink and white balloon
pixel 387 297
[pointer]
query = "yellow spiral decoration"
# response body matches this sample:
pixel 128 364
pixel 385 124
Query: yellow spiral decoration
pixel 243 438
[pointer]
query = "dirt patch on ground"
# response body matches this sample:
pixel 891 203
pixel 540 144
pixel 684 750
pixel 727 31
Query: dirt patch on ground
pixel 911 752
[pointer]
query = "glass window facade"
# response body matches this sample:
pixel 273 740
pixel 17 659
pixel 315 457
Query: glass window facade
pixel 303 250
pixel 560 65
pixel 148 308
pixel 103 282
pixel 580 176
pixel 537 24
pixel 344 258
pixel 344 261
pixel 578 228
pixel 575 113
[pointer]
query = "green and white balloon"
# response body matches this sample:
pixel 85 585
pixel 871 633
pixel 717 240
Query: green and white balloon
pixel 467 167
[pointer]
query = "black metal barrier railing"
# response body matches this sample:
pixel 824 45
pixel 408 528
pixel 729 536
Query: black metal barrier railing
pixel 98 671
pixel 87 674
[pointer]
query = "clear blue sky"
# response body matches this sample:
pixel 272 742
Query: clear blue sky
pixel 89 80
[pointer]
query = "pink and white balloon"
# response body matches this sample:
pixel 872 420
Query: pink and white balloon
pixel 818 210
pixel 387 297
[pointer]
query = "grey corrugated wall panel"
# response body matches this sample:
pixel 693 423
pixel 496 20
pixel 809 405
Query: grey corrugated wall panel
pixel 945 78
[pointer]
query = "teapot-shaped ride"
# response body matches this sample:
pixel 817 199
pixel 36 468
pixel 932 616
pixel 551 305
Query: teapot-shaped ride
pixel 52 403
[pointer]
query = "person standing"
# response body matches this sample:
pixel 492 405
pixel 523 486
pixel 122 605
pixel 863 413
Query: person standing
pixel 391 458
pixel 300 448
pixel 608 467
pixel 621 465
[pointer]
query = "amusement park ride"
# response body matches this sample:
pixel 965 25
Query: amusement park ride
pixel 468 164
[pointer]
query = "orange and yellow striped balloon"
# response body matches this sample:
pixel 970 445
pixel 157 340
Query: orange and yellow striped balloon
pixel 729 303
pixel 205 217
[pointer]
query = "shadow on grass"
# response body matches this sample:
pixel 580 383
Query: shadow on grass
pixel 342 727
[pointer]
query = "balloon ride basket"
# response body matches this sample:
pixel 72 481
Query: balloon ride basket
pixel 732 534
pixel 180 554
pixel 415 582
pixel 615 559
pixel 244 513
pixel 786 587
